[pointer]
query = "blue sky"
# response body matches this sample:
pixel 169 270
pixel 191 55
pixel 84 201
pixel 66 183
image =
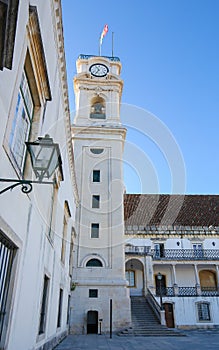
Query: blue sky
pixel 170 66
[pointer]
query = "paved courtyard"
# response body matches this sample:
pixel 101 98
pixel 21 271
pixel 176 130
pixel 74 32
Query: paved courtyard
pixel 194 340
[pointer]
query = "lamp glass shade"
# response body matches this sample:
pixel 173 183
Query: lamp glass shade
pixel 45 156
pixel 159 276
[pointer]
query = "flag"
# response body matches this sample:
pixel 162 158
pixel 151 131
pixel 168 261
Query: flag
pixel 105 30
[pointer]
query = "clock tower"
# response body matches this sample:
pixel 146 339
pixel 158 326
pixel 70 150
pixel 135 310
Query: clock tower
pixel 100 294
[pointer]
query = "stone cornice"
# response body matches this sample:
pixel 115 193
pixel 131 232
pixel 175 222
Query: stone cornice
pixel 77 131
pixel 171 231
pixel 87 83
pixel 99 89
pixel 59 40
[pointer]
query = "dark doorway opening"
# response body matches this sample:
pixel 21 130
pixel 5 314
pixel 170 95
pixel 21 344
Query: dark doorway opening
pixel 92 322
pixel 168 307
pixel 161 285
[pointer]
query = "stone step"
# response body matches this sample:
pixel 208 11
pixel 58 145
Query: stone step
pixel 145 323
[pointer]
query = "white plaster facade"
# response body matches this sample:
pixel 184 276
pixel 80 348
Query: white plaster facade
pixel 37 229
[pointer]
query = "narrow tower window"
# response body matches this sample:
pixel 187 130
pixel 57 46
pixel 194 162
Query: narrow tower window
pixel 96 175
pixel 95 201
pixel 94 230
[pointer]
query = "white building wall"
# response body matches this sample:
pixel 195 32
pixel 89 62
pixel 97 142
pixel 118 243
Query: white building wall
pixel 25 219
pixel 186 314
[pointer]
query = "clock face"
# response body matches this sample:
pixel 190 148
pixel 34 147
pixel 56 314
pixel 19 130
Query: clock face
pixel 99 70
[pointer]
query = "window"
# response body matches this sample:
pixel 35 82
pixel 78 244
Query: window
pixel 28 103
pixel 93 293
pixel 21 123
pixel 94 230
pixel 67 214
pixel 60 308
pixel 44 304
pixel 95 201
pixel 198 250
pixel 68 309
pixel 7 262
pixel 96 150
pixel 71 252
pixel 130 277
pixel 8 24
pixel 94 263
pixel 64 234
pixel 96 175
pixel 159 250
pixel 203 311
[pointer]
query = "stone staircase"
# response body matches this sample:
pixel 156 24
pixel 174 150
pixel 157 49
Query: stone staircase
pixel 145 323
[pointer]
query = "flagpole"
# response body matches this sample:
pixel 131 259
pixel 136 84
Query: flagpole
pixel 112 44
pixel 100 45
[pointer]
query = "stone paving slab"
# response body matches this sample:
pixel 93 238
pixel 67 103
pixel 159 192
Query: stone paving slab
pixel 194 340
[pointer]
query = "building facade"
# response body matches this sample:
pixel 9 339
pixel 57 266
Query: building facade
pixel 36 228
pixel 175 237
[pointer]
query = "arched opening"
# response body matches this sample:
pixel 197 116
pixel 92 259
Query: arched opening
pixel 92 322
pixel 207 280
pixel 94 263
pixel 98 108
pixel 135 277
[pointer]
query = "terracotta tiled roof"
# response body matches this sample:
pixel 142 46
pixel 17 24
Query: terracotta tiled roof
pixel 185 210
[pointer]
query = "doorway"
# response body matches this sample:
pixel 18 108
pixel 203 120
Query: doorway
pixel 168 307
pixel 160 284
pixel 92 322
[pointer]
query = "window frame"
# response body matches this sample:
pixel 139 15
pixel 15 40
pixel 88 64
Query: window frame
pixel 34 63
pixel 95 201
pixel 60 304
pixel 129 272
pixel 21 123
pixel 94 292
pixel 159 249
pixel 199 311
pixel 95 230
pixel 94 259
pixel 96 176
pixel 44 305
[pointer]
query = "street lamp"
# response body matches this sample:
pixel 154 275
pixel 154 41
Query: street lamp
pixel 159 277
pixel 45 158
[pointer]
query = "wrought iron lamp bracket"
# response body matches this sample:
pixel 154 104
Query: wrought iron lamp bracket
pixel 26 185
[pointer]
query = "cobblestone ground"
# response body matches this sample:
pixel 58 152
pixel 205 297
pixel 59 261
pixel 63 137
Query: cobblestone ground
pixel 194 340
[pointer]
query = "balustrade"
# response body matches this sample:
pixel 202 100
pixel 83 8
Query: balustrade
pixel 188 292
pixel 174 254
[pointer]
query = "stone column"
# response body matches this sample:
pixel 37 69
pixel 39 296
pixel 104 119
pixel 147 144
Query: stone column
pixel 162 318
pixel 217 275
pixel 174 274
pixel 175 285
pixel 149 273
pixel 197 280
